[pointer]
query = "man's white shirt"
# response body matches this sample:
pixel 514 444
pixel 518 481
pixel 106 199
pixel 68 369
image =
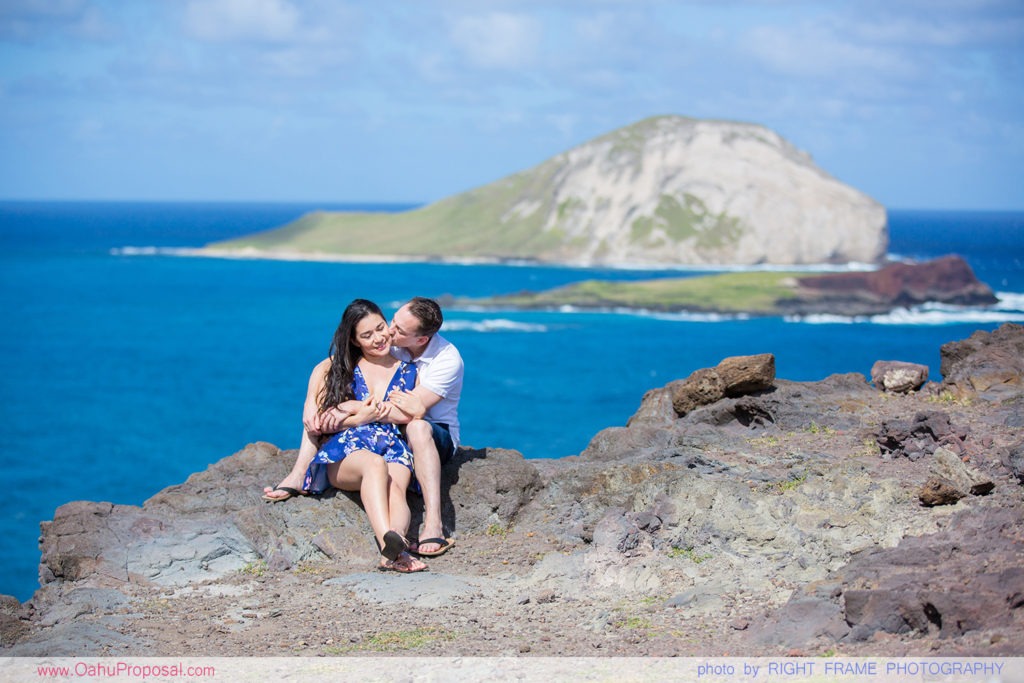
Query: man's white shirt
pixel 440 370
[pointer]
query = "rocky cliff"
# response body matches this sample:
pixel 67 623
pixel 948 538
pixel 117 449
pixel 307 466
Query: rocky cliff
pixel 947 280
pixel 667 190
pixel 735 514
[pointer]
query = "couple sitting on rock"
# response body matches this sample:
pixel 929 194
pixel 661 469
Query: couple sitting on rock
pixel 381 409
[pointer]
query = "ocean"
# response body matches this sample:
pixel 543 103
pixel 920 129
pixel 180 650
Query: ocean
pixel 126 367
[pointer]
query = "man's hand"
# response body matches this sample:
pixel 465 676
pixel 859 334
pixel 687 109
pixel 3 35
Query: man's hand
pixel 409 403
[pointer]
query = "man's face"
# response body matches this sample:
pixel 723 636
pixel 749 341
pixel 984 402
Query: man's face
pixel 405 329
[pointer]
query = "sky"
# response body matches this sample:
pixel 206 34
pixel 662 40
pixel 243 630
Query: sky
pixel 918 103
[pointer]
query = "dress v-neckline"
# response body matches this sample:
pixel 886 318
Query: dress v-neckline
pixel 395 376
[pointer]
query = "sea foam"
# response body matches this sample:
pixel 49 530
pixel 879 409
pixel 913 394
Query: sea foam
pixel 1010 308
pixel 491 325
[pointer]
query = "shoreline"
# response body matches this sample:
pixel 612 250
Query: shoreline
pixel 254 254
pixel 934 313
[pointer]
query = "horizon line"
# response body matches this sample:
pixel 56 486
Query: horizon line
pixel 377 202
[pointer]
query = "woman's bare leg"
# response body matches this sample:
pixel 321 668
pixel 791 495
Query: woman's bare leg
pixel 401 516
pixel 366 473
pixel 308 445
pixel 398 506
pixel 297 476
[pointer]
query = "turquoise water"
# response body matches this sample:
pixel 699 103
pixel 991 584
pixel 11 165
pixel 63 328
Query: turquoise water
pixel 125 370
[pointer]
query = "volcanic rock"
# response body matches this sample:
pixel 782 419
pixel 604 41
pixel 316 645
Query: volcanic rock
pixel 947 280
pixel 766 523
pixel 948 465
pixel 987 365
pixel 898 376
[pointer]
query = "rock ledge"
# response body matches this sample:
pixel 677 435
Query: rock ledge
pixel 771 518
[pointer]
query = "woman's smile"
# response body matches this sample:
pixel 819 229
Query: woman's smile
pixel 373 335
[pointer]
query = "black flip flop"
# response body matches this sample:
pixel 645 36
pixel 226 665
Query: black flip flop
pixel 292 493
pixel 445 543
pixel 394 545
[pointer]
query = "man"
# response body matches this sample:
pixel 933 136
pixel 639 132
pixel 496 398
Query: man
pixel 433 431
pixel 434 434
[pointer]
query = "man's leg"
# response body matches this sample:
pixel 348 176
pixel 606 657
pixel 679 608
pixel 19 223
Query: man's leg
pixel 420 434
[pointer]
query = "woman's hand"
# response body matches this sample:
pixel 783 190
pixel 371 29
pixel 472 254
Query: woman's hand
pixel 369 410
pixel 311 421
pixel 331 421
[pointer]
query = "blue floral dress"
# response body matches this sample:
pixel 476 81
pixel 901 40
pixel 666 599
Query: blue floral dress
pixel 384 439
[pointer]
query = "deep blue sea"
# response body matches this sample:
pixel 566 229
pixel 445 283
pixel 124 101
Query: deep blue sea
pixel 125 367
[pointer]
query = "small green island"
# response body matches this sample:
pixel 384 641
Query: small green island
pixel 750 292
pixel 947 280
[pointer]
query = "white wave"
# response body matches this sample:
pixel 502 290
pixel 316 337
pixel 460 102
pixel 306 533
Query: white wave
pixel 135 251
pixel 902 258
pixel 1009 309
pixel 155 251
pixel 697 317
pixel 825 319
pixel 677 316
pixel 1009 301
pixel 946 315
pixel 852 266
pixel 491 325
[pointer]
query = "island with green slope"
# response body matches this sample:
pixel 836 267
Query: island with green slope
pixel 665 191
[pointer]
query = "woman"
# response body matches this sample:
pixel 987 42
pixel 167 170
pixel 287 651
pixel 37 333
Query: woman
pixel 347 398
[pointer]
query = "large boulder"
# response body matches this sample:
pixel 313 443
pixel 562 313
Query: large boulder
pixel 898 376
pixel 987 365
pixel 734 376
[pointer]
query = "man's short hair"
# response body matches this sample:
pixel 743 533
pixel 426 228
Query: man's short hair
pixel 428 312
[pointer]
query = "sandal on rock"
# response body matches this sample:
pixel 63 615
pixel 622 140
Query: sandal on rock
pixel 445 544
pixel 292 493
pixel 394 545
pixel 403 564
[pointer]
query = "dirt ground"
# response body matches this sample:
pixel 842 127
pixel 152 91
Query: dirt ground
pixel 474 601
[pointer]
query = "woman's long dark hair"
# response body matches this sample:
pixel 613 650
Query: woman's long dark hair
pixel 344 354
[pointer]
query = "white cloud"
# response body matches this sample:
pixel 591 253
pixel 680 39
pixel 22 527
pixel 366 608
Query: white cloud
pixel 272 21
pixel 818 51
pixel 523 79
pixel 497 40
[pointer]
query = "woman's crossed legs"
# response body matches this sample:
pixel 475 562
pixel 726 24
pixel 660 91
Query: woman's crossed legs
pixel 382 488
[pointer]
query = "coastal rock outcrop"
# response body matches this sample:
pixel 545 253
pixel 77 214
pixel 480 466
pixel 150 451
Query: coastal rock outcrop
pixel 988 366
pixel 948 280
pixel 781 518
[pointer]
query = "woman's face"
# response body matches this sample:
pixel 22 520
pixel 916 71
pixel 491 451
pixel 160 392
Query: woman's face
pixel 372 336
